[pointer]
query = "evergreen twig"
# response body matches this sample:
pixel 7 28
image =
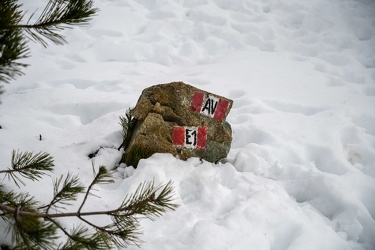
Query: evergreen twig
pixel 123 231
pixel 13 46
pixel 34 227
pixel 79 238
pixel 28 231
pixel 56 16
pixel 29 165
pixel 127 123
pixel 101 177
pixel 68 191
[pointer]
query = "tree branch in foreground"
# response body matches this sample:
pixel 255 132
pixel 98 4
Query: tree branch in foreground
pixel 56 16
pixel 35 227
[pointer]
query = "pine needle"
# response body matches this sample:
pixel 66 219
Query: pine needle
pixel 13 45
pixel 58 15
pixel 29 165
pixel 65 192
pixel 34 227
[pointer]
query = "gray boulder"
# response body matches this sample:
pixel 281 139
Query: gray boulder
pixel 180 119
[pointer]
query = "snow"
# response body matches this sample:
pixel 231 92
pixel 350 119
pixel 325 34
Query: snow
pixel 301 171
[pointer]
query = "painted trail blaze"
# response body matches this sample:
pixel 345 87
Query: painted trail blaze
pixel 190 137
pixel 209 105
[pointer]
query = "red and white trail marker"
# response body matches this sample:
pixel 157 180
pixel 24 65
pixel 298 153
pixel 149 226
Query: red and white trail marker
pixel 190 137
pixel 209 105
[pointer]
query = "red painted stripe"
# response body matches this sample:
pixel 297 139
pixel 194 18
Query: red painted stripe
pixel 178 136
pixel 202 137
pixel 221 109
pixel 196 103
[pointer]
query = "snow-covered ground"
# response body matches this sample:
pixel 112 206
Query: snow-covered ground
pixel 301 171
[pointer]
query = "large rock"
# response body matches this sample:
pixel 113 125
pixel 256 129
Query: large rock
pixel 180 119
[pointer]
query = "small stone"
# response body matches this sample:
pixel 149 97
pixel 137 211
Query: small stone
pixel 180 119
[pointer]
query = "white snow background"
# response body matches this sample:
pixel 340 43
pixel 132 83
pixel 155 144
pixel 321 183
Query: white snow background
pixel 301 171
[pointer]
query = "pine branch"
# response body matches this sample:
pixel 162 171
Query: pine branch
pixel 118 235
pixel 123 230
pixel 57 15
pixel 127 123
pixel 34 227
pixel 102 177
pixel 13 46
pixel 145 202
pixel 80 238
pixel 68 192
pixel 127 208
pixel 35 233
pixel 20 232
pixel 30 232
pixel 29 165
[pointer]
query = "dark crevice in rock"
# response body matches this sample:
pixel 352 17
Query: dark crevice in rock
pixel 173 119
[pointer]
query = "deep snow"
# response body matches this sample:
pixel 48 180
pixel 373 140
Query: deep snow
pixel 301 172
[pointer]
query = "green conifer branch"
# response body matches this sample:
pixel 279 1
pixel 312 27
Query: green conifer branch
pixel 13 46
pixel 33 233
pixel 102 177
pixel 122 232
pixel 34 227
pixel 58 15
pixel 145 202
pixel 29 165
pixel 65 192
pixel 127 123
pixel 30 232
pixel 80 238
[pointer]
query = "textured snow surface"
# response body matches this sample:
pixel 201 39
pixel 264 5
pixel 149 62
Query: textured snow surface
pixel 301 171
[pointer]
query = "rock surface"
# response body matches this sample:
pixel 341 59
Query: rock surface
pixel 180 119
